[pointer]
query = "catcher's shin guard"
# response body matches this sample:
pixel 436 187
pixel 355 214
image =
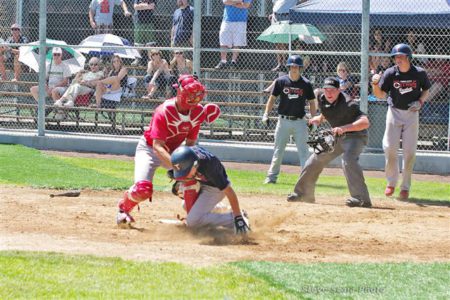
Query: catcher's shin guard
pixel 138 192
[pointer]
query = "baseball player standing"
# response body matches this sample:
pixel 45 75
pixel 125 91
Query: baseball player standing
pixel 204 183
pixel 294 91
pixel 175 121
pixel 349 126
pixel 407 87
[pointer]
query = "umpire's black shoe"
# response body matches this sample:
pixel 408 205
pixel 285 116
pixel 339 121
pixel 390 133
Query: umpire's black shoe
pixel 294 197
pixel 354 202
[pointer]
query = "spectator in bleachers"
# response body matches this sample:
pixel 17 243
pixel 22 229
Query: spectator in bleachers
pixel 438 71
pixel 378 44
pixel 10 54
pixel 385 63
pixel 84 83
pixel 416 46
pixel 182 24
pixel 143 24
pixel 280 12
pixel 116 80
pixel 158 74
pixel 179 65
pixel 233 30
pixel 346 80
pixel 58 74
pixel 101 14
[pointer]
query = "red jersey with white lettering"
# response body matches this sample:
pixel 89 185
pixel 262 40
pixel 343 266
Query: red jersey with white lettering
pixel 169 125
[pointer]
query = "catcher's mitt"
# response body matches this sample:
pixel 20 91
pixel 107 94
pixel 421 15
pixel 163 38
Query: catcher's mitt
pixel 321 141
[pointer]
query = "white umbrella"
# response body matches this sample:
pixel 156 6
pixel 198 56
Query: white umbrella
pixel 95 45
pixel 29 55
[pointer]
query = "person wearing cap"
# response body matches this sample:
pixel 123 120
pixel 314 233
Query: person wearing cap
pixel 406 87
pixel 295 91
pixel 11 54
pixel 174 122
pixel 58 74
pixel 202 182
pixel 349 127
pixel 101 14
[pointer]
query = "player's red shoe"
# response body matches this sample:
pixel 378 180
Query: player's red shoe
pixel 404 195
pixel 389 191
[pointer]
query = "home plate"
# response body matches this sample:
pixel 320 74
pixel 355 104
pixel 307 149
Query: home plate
pixel 171 221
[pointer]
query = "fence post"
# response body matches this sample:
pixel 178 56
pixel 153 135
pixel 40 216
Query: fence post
pixel 365 31
pixel 42 75
pixel 197 36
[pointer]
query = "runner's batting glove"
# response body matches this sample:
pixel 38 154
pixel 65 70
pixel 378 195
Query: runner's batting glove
pixel 170 174
pixel 265 119
pixel 241 225
pixel 415 106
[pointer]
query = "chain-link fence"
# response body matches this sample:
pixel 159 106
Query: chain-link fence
pixel 230 49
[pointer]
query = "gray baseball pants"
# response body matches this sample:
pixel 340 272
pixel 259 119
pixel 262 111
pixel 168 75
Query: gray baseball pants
pixel 404 125
pixel 350 146
pixel 285 128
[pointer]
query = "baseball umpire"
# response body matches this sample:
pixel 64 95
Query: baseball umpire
pixel 407 87
pixel 294 91
pixel 175 121
pixel 349 126
pixel 204 183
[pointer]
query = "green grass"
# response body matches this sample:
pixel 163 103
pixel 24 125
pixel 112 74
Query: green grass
pixel 49 275
pixel 27 166
pixel 44 276
pixel 356 281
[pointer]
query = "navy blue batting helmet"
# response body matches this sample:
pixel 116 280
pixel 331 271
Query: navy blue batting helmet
pixel 183 159
pixel 402 49
pixel 295 60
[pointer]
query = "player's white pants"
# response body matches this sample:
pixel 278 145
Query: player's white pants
pixel 145 161
pixel 285 128
pixel 201 215
pixel 404 125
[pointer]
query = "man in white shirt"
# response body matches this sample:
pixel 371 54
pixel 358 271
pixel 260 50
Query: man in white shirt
pixel 83 84
pixel 58 74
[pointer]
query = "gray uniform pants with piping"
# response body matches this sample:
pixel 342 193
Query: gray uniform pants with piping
pixel 350 146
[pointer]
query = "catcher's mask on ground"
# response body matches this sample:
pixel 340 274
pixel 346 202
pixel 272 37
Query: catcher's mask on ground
pixel 189 92
pixel 183 160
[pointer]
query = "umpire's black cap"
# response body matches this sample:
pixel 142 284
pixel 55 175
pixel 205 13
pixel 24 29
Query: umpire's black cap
pixel 331 83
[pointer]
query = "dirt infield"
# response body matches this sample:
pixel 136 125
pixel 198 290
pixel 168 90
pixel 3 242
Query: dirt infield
pixel 326 231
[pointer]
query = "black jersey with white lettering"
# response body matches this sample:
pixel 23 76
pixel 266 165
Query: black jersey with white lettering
pixel 293 95
pixel 404 88
pixel 210 170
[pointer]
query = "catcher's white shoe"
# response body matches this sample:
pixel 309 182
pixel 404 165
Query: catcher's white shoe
pixel 124 218
pixel 69 104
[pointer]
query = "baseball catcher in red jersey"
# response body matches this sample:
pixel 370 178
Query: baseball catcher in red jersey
pixel 174 122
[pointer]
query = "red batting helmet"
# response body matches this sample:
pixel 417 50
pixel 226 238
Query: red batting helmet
pixel 189 92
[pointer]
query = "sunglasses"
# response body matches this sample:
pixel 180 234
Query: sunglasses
pixel 93 65
pixel 15 29
pixel 178 53
pixel 56 54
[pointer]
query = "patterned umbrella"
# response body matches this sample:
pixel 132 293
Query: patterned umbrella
pixel 29 55
pixel 95 45
pixel 284 32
